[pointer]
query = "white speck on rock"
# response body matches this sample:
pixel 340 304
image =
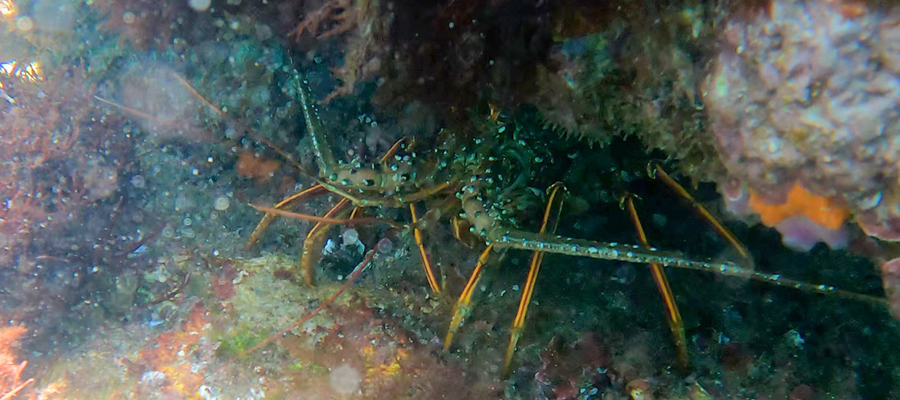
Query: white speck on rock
pixel 345 380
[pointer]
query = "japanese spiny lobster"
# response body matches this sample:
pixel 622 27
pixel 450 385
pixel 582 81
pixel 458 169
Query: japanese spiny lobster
pixel 466 171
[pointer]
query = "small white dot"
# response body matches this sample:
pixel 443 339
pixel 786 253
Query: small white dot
pixel 199 5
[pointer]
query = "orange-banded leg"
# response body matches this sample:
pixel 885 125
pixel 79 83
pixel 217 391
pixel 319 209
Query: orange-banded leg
pixel 315 241
pixel 557 193
pixel 317 236
pixel 655 171
pixel 673 316
pixel 426 263
pixel 315 190
pixel 463 307
pixel 289 201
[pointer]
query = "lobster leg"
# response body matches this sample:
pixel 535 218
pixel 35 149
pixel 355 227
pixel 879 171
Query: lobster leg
pixel 289 201
pixel 315 240
pixel 673 316
pixel 426 263
pixel 463 307
pixel 654 170
pixel 548 225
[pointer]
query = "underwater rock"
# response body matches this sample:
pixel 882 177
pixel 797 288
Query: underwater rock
pixel 801 234
pixel 363 346
pixel 890 278
pixel 636 72
pixel 804 93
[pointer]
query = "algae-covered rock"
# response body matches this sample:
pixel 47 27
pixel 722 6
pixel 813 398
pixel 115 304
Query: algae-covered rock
pixel 230 347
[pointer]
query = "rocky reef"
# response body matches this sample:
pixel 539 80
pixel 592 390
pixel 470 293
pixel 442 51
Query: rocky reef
pixel 359 348
pixel 132 153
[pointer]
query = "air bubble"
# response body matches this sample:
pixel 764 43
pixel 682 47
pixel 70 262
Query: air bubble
pixel 384 246
pixel 350 237
pixel 222 203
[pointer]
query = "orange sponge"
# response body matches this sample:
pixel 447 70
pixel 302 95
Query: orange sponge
pixel 821 210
